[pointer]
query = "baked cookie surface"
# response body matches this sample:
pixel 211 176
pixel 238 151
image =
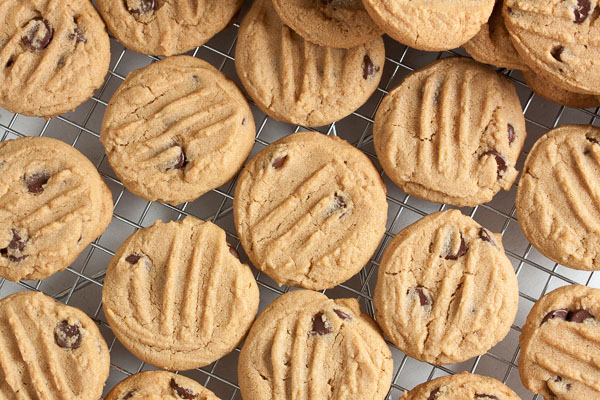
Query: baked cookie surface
pixel 53 203
pixel 177 296
pixel 446 291
pixel 556 94
pixel 53 55
pixel 310 210
pixel 177 129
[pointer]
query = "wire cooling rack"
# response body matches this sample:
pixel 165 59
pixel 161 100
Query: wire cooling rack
pixel 81 284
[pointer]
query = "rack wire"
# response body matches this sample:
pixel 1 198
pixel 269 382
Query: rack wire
pixel 80 285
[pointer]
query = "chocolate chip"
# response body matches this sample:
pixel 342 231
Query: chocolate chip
pixel 182 393
pixel 233 251
pixel 133 258
pixel 511 134
pixel 16 259
pixel 35 183
pixel 181 162
pixel 592 140
pixel 10 62
pixel 140 7
pixel 486 396
pixel 128 395
pixel 342 315
pixel 339 201
pixel 433 394
pixel 582 10
pixel 462 250
pixel 485 236
pixel 319 327
pixel 368 67
pixel 67 336
pixel 556 52
pixel 578 316
pixel 16 243
pixel 39 35
pixel 500 161
pixel 423 298
pixel 77 36
pixel 279 162
pixel 556 314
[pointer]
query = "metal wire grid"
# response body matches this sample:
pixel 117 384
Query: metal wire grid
pixel 80 285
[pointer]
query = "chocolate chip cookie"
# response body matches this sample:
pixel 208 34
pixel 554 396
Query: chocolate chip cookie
pixel 446 291
pixel 176 129
pixel 49 350
pixel 463 386
pixel 165 28
pixel 430 25
pixel 304 345
pixel 556 94
pixel 177 296
pixel 295 81
pixel 310 210
pixel 334 23
pixel 558 40
pixel 492 45
pixel 557 201
pixel 161 384
pixel 451 133
pixel 53 203
pixel 53 55
pixel 560 345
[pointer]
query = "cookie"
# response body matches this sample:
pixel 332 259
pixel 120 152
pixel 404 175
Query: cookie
pixel 430 25
pixel 305 345
pixel 333 23
pixel 53 203
pixel 463 386
pixel 177 129
pixel 446 292
pixel 295 81
pixel 159 384
pixel 556 94
pixel 451 133
pixel 558 206
pixel 165 28
pixel 310 210
pixel 492 45
pixel 53 55
pixel 557 40
pixel 177 296
pixel 559 345
pixel 49 350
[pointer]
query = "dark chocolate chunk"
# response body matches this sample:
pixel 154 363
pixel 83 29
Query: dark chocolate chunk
pixel 77 36
pixel 433 394
pixel 486 396
pixel 557 52
pixel 485 236
pixel 279 162
pixel 35 183
pixel 39 36
pixel 556 314
pixel 582 10
pixel 67 336
pixel 511 134
pixel 423 298
pixel 342 315
pixel 233 251
pixel 500 161
pixel 319 327
pixel 579 316
pixel 182 392
pixel 462 250
pixel 140 7
pixel 368 67
pixel 133 258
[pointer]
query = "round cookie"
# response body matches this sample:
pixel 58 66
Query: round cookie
pixel 556 94
pixel 446 292
pixel 53 55
pixel 451 133
pixel 177 129
pixel 557 40
pixel 177 296
pixel 295 81
pixel 305 345
pixel 49 350
pixel 492 45
pixel 53 203
pixel 559 345
pixel 557 202
pixel 310 210
pixel 165 28
pixel 463 386
pixel 430 25
pixel 159 384
pixel 333 23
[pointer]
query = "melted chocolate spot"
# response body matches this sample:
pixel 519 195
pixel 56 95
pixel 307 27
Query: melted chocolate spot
pixel 39 35
pixel 582 10
pixel 486 396
pixel 77 36
pixel 35 183
pixel 182 392
pixel 422 296
pixel 133 258
pixel 578 316
pixel 368 67
pixel 556 314
pixel 433 394
pixel 556 52
pixel 511 134
pixel 500 161
pixel 233 251
pixel 140 7
pixel 319 327
pixel 279 162
pixel 67 336
pixel 342 315
pixel 462 250
pixel 485 236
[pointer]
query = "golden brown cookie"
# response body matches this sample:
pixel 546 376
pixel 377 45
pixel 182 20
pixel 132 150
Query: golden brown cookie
pixel 556 94
pixel 463 386
pixel 310 210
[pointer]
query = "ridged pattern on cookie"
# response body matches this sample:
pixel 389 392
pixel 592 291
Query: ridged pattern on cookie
pixel 53 203
pixel 558 201
pixel 560 345
pixel 177 129
pixel 451 133
pixel 556 94
pixel 46 72
pixel 33 365
pixel 310 210
pixel 296 81
pixel 305 345
pixel 163 294
pixel 558 40
pixel 446 291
